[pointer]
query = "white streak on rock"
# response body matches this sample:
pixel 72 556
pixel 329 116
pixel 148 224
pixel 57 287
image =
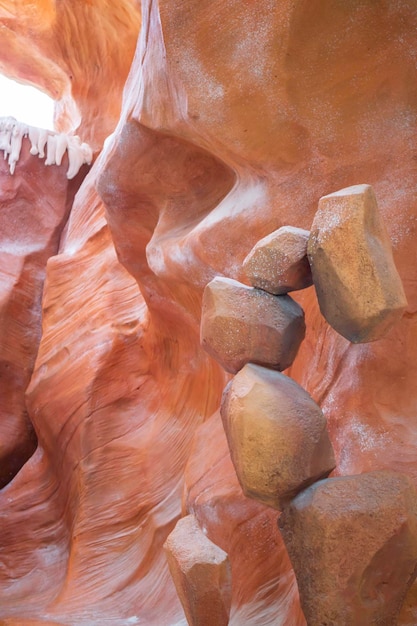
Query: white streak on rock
pixel 61 146
pixel 38 138
pixel 11 137
pixel 50 150
pixel 5 133
pixel 78 154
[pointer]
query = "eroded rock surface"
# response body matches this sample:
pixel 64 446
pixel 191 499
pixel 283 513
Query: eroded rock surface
pixel 78 53
pixel 201 572
pixel 241 325
pixel 358 287
pixel 353 545
pixel 276 433
pixel 279 106
pixel 278 263
pixel 34 206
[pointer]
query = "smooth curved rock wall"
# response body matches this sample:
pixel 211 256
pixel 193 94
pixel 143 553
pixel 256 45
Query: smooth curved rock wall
pixel 285 104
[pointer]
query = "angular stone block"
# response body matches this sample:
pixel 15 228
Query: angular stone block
pixel 240 324
pixel 358 287
pixel 353 545
pixel 278 263
pixel 201 573
pixel 276 433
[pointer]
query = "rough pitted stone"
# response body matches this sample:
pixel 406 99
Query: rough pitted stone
pixel 201 573
pixel 240 324
pixel 118 391
pixel 276 433
pixel 358 287
pixel 278 263
pixel 353 545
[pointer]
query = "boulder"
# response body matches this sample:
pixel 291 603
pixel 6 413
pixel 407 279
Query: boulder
pixel 276 434
pixel 201 573
pixel 295 98
pixel 353 545
pixel 278 263
pixel 358 287
pixel 240 324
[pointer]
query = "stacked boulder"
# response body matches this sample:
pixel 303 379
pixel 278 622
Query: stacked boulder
pixel 277 434
pixel 358 287
pixel 242 325
pixel 278 263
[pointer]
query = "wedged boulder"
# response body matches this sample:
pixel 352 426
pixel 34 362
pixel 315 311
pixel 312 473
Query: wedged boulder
pixel 278 263
pixel 240 324
pixel 358 287
pixel 201 573
pixel 276 434
pixel 353 545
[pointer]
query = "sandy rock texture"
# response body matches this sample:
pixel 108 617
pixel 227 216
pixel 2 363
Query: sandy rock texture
pixel 277 435
pixel 358 287
pixel 234 122
pixel 201 573
pixel 242 325
pixel 278 262
pixel 353 543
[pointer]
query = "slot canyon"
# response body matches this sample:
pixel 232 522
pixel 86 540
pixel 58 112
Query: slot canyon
pixel 208 306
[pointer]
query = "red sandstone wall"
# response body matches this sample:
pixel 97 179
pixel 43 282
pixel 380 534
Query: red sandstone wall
pixel 237 117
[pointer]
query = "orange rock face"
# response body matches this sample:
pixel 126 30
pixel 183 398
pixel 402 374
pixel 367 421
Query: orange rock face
pixel 78 53
pixel 35 204
pixel 234 122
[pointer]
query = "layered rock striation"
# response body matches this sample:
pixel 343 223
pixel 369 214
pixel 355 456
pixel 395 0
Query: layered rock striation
pixel 233 124
pixel 35 205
